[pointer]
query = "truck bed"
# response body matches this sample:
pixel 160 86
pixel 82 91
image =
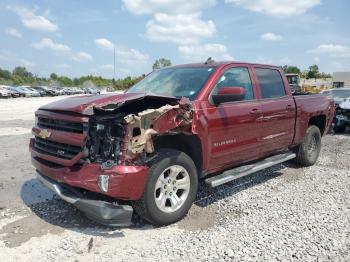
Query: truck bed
pixel 309 106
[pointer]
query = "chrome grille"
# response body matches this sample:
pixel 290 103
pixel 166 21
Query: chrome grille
pixel 56 149
pixel 60 125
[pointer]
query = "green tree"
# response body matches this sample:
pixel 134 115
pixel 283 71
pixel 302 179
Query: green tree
pixel 161 62
pixel 76 81
pixel 291 69
pixel 65 81
pixel 54 76
pixel 313 72
pixel 22 72
pixel 325 75
pixel 5 74
pixel 17 80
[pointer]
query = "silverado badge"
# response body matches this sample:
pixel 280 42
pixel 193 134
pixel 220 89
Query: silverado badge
pixel 44 134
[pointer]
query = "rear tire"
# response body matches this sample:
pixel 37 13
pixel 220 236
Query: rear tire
pixel 170 189
pixel 309 150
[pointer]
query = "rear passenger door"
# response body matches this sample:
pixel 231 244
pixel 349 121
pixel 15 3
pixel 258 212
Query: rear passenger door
pixel 278 109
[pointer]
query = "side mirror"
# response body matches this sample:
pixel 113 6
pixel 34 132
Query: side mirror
pixel 229 94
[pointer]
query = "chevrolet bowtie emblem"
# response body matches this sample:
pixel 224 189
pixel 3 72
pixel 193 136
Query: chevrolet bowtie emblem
pixel 44 134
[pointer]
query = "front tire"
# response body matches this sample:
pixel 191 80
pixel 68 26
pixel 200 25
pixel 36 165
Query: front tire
pixel 170 190
pixel 309 150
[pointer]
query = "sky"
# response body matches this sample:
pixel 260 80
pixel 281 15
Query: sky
pixel 79 37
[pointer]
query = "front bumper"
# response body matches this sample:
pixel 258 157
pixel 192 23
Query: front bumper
pixel 125 182
pixel 102 212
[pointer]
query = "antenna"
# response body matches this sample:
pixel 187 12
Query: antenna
pixel 114 63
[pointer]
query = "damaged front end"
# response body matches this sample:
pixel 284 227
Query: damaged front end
pixel 103 148
pixel 123 136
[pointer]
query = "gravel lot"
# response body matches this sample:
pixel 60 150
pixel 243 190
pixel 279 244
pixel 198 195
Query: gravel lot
pixel 285 213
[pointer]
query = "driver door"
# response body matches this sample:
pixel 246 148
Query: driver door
pixel 234 128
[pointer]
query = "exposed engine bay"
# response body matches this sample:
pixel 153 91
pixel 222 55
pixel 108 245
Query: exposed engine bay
pixel 124 135
pixel 105 136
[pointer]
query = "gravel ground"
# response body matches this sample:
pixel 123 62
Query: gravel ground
pixel 285 213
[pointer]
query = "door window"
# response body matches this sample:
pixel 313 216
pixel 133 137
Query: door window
pixel 271 83
pixel 236 77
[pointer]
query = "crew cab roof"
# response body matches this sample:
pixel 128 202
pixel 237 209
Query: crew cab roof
pixel 221 64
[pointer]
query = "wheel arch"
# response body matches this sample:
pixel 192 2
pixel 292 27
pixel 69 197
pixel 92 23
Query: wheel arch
pixel 189 144
pixel 319 121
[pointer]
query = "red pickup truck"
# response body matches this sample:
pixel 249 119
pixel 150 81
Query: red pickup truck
pixel 146 149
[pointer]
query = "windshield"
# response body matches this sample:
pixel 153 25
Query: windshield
pixel 178 81
pixel 341 93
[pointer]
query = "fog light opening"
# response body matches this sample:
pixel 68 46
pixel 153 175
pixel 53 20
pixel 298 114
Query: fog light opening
pixel 103 183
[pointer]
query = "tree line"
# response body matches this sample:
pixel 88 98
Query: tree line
pixel 312 72
pixel 21 76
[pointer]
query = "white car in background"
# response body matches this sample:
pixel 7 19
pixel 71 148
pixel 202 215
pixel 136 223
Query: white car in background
pixel 342 112
pixel 4 93
pixel 339 94
pixel 342 116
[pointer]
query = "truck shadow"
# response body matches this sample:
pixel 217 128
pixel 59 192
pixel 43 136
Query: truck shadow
pixel 57 212
pixel 207 196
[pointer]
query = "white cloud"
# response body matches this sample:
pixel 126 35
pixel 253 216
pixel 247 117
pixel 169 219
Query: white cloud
pixel 334 50
pixel 202 52
pixel 13 32
pixel 176 21
pixel 32 21
pixel 271 37
pixel 104 43
pixel 181 29
pixel 129 55
pixel 140 7
pixel 279 8
pixel 81 57
pixel 50 44
pixel 62 49
pixel 123 54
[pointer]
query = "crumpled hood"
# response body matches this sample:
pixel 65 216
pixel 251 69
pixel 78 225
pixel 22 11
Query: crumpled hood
pixel 87 103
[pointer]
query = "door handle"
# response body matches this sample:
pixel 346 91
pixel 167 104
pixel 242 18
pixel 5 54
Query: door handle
pixel 256 112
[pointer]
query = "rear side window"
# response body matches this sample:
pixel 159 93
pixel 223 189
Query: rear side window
pixel 271 83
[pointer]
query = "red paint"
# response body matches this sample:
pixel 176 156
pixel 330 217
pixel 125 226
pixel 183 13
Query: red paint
pixel 68 117
pixel 75 139
pixel 84 104
pixel 53 159
pixel 230 133
pixel 125 182
pixel 236 90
